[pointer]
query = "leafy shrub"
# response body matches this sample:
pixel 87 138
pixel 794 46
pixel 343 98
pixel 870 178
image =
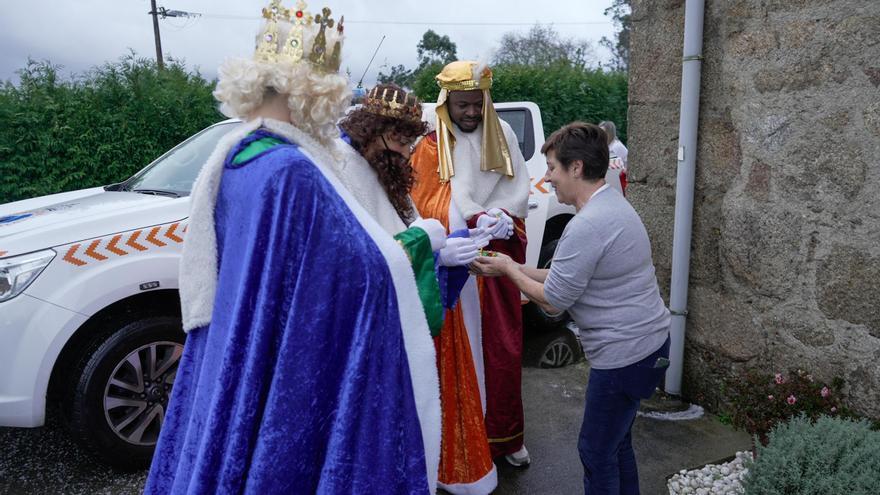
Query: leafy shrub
pixel 829 457
pixel 95 129
pixel 563 92
pixel 762 401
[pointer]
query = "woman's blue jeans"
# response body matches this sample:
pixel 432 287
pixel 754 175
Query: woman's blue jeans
pixel 605 443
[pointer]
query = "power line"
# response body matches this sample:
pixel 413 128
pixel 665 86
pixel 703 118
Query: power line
pixel 179 13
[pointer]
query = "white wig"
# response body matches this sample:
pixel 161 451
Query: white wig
pixel 317 99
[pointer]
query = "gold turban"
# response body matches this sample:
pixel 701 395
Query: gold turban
pixel 495 154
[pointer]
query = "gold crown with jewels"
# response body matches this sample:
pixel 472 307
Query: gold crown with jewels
pixel 394 103
pixel 293 36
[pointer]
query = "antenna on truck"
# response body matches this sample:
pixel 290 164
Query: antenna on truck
pixel 361 81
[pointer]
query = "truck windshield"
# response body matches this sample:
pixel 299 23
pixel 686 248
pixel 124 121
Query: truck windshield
pixel 174 172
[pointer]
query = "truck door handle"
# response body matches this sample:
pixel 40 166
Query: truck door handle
pixel 533 204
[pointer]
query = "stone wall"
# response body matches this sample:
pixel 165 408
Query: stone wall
pixel 785 269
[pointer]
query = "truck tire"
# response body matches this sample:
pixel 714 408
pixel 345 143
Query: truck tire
pixel 119 391
pixel 553 350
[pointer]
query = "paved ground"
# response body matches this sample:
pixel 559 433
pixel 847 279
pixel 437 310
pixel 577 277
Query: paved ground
pixel 43 461
pixel 554 409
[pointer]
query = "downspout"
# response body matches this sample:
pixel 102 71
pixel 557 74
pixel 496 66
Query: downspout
pixel 684 189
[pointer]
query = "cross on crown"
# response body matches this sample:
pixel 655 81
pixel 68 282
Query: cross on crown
pixel 271 48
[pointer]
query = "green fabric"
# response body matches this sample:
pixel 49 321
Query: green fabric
pixel 417 245
pixel 255 149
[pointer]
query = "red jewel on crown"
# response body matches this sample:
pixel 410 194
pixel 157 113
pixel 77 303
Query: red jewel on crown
pixel 299 14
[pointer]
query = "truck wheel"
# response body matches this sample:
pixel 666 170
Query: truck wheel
pixel 558 349
pixel 119 394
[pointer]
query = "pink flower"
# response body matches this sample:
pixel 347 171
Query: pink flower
pixel 825 392
pixel 779 379
pixel 769 397
pixel 791 400
pixel 833 409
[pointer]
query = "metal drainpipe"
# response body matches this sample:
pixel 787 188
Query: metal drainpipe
pixel 684 190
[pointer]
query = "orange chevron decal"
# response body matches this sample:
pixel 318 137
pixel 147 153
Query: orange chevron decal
pixel 151 237
pixel 132 241
pixel 539 184
pixel 70 258
pixel 90 251
pixel 111 246
pixel 170 234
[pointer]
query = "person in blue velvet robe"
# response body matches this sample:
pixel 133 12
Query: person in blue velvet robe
pixel 308 365
pixel 300 383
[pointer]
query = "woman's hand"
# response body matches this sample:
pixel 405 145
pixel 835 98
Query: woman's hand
pixel 493 266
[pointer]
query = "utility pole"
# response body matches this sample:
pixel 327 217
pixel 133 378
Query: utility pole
pixel 155 14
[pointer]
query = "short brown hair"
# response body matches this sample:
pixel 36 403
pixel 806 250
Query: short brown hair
pixel 580 141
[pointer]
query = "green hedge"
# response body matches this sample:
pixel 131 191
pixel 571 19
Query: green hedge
pixel 564 93
pixel 99 128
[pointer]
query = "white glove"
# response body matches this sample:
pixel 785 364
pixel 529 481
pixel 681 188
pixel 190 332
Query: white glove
pixel 497 223
pixel 435 230
pixel 480 237
pixel 459 251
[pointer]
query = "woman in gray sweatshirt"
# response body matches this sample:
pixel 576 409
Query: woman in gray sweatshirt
pixel 602 274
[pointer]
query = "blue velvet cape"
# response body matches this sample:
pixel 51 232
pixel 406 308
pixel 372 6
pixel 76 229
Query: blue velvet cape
pixel 300 384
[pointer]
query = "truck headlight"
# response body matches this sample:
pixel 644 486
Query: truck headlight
pixel 17 273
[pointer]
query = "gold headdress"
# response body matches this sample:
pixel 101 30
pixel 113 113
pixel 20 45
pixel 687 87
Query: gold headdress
pixel 288 33
pixel 394 103
pixel 495 155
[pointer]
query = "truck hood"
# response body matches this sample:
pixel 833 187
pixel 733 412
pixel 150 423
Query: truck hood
pixel 59 219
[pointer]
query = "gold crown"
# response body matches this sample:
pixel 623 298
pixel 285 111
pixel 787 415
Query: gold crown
pixel 276 46
pixel 386 104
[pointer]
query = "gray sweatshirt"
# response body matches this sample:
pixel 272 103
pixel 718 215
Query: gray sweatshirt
pixel 603 274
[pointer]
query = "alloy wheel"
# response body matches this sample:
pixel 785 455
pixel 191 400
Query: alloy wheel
pixel 136 395
pixel 557 355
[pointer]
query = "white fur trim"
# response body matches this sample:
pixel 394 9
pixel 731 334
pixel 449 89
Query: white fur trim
pixel 198 263
pixel 362 181
pixel 483 486
pixel 199 267
pixel 471 313
pixel 474 190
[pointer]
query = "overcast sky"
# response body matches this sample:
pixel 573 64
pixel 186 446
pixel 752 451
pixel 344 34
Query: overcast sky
pixel 83 33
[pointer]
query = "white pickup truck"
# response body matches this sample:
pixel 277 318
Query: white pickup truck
pixel 89 308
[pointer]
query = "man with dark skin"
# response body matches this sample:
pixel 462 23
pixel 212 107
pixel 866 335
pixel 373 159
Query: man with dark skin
pixel 466 109
pixel 470 174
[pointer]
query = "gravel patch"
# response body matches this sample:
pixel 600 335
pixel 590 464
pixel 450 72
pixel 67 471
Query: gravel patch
pixel 712 479
pixel 45 461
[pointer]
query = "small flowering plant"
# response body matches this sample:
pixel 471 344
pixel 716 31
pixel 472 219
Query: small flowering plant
pixel 760 401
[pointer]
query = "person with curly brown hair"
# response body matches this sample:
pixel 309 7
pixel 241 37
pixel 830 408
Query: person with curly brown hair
pixel 377 139
pixel 383 130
